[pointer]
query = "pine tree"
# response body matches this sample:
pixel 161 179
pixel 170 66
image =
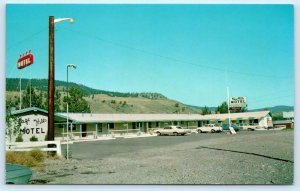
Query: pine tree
pixel 205 111
pixel 76 101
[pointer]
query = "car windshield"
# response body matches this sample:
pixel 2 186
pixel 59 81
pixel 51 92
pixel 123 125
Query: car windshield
pixel 178 127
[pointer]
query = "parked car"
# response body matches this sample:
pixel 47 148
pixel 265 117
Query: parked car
pixel 172 130
pixel 209 128
pixel 17 174
pixel 234 126
pixel 248 127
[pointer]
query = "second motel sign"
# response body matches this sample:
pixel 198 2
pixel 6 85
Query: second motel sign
pixel 25 60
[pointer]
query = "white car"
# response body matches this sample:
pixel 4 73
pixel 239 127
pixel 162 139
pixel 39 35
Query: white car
pixel 248 127
pixel 212 128
pixel 172 130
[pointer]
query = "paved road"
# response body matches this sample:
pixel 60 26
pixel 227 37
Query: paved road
pixel 259 157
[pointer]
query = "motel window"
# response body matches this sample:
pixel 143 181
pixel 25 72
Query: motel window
pixel 157 124
pixel 111 125
pixel 181 122
pixel 149 125
pixel 73 127
pixel 100 127
pixel 175 122
pixel 133 125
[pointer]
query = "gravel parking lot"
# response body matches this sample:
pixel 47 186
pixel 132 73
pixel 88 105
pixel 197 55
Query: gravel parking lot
pixel 258 157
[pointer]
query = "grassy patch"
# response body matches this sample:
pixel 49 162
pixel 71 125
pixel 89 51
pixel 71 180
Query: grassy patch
pixel 34 158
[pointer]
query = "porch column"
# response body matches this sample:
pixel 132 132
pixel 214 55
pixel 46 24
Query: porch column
pixel 108 128
pixel 80 135
pixel 71 129
pixel 139 126
pixel 63 133
pixel 96 130
pixel 147 126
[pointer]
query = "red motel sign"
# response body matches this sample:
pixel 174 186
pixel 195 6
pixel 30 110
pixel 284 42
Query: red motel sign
pixel 25 60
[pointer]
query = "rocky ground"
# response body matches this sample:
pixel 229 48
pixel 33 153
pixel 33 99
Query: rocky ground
pixel 259 157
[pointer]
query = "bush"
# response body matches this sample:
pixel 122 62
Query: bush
pixel 30 159
pixel 19 138
pixel 37 155
pixel 33 139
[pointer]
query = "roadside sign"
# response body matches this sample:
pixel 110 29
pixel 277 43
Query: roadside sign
pixel 237 103
pixel 25 60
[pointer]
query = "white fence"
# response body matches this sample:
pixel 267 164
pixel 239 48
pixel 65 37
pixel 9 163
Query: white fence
pixel 28 146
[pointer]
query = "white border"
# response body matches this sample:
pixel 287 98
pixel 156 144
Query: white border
pixel 146 187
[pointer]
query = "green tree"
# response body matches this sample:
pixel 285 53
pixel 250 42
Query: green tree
pixel 57 101
pixel 13 123
pixel 205 111
pixel 223 108
pixel 76 101
pixel 36 98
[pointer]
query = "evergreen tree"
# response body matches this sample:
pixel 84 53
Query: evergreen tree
pixel 205 111
pixel 76 101
pixel 57 101
pixel 223 108
pixel 36 99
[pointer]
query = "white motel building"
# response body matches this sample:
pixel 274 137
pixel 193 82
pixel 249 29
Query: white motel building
pixel 34 122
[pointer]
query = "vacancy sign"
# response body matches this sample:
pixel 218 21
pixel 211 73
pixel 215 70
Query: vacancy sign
pixel 25 60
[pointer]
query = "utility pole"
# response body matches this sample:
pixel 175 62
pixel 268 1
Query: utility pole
pixel 51 81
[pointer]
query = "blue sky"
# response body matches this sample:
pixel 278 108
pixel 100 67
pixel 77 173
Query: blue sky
pixel 189 53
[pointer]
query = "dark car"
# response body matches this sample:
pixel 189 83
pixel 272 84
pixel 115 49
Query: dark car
pixel 234 126
pixel 17 174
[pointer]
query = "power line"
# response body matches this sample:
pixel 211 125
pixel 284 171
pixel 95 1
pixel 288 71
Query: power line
pixel 27 38
pixel 171 58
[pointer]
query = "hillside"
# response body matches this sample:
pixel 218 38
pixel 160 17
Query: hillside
pixel 102 101
pixel 12 84
pixel 277 110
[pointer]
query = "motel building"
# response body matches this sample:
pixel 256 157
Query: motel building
pixel 34 122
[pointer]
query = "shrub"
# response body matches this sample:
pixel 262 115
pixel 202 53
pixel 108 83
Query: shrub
pixel 19 138
pixel 33 139
pixel 37 154
pixel 31 159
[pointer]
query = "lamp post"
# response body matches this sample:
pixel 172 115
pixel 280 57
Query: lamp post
pixel 51 87
pixel 68 66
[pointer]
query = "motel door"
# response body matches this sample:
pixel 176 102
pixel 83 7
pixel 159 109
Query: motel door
pixel 83 130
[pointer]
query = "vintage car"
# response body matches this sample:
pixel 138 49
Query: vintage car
pixel 209 128
pixel 234 126
pixel 17 174
pixel 172 130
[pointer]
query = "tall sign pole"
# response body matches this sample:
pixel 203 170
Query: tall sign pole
pixel 228 104
pixel 25 60
pixel 20 106
pixel 51 81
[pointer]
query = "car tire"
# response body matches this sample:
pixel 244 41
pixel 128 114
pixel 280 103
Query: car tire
pixel 212 131
pixel 158 133
pixel 175 134
pixel 199 131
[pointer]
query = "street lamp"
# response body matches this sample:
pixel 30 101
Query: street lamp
pixel 51 75
pixel 68 66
